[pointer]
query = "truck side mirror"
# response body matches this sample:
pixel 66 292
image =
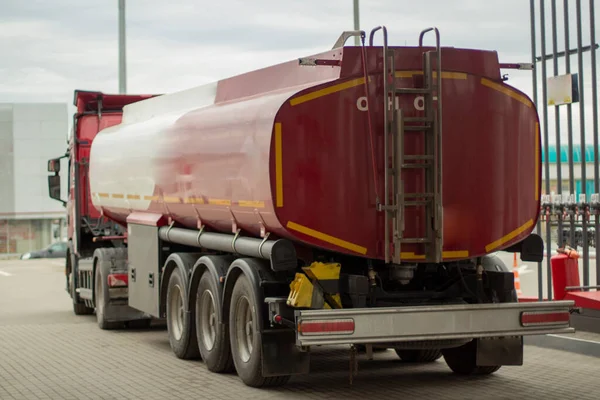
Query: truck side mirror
pixel 54 188
pixel 54 165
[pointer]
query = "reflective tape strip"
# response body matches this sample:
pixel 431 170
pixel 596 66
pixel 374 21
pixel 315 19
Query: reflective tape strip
pixel 445 74
pixel 446 254
pixel 511 235
pixel 328 90
pixel 278 166
pixel 193 200
pixel 507 91
pixel 187 200
pixel 219 202
pixel 254 204
pixel 327 238
pixel 537 158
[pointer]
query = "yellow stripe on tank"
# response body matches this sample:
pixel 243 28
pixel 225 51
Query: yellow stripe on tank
pixel 507 91
pixel 186 200
pixel 254 204
pixel 328 90
pixel 462 254
pixel 537 157
pixel 494 245
pixel 278 166
pixel 445 74
pixel 326 238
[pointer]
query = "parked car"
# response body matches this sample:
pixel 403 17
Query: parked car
pixel 55 250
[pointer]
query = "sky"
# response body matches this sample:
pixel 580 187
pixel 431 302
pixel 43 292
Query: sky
pixel 52 47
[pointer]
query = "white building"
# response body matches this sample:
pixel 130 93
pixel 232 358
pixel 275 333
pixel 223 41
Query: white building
pixel 30 134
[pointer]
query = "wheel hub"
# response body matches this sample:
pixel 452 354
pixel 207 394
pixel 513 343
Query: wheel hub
pixel 244 327
pixel 177 312
pixel 208 320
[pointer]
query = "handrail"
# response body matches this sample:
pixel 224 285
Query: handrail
pixel 373 34
pixel 386 113
pixel 424 31
pixel 438 211
pixel 345 36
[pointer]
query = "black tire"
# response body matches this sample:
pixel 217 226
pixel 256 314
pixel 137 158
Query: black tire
pixel 180 324
pixel 139 324
pixel 100 300
pixel 82 309
pixel 211 333
pixel 79 308
pixel 462 360
pixel 246 347
pixel 419 356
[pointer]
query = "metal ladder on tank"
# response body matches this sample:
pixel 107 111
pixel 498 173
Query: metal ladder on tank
pixel 430 127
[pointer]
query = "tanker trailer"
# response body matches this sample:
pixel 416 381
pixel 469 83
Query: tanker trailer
pixel 354 197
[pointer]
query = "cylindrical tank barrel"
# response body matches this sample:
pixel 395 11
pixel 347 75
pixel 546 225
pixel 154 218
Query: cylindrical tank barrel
pixel 280 252
pixel 298 152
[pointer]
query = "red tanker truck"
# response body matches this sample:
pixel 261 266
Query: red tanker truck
pixel 355 197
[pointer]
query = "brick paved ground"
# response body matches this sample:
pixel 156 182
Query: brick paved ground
pixel 48 353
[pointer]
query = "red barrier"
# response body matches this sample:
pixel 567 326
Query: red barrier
pixel 565 272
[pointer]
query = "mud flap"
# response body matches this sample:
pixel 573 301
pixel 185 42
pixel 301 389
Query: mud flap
pixel 281 356
pixel 500 351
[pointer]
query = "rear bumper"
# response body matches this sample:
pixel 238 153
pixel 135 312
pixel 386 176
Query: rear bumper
pixel 403 324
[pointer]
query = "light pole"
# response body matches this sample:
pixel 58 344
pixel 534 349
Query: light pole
pixel 122 60
pixel 356 23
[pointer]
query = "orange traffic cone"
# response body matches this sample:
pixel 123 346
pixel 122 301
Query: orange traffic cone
pixel 516 273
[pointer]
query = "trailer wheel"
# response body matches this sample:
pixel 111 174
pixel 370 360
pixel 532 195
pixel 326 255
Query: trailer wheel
pixel 245 337
pixel 462 360
pixel 211 332
pixel 101 298
pixel 419 356
pixel 180 324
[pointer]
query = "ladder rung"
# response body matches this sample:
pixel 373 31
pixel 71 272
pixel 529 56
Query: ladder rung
pixel 413 91
pixel 417 127
pixel 416 203
pixel 418 157
pixel 417 165
pixel 417 119
pixel 415 240
pixel 413 195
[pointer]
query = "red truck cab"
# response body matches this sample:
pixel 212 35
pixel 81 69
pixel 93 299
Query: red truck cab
pixel 87 227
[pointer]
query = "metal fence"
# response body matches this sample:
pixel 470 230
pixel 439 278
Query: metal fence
pixel 565 73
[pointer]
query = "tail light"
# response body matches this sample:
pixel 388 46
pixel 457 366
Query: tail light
pixel 118 280
pixel 540 318
pixel 326 327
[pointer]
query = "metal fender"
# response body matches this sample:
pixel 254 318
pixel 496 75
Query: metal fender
pixel 183 261
pixel 280 356
pixel 257 271
pixel 492 262
pixel 217 266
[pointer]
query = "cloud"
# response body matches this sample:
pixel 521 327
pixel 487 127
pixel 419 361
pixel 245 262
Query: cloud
pixel 52 48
